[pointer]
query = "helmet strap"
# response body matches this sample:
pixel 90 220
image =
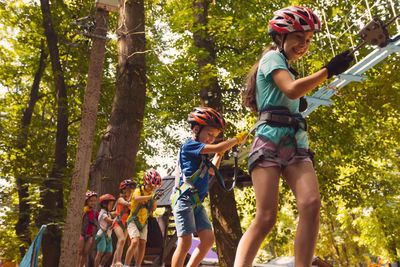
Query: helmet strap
pixel 281 49
pixel 201 127
pixel 197 135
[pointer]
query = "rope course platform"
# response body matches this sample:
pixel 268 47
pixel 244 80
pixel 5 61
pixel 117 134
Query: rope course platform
pixel 354 74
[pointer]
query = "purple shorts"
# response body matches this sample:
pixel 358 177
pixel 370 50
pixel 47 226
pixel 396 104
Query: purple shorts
pixel 284 153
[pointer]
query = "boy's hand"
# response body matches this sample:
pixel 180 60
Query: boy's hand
pixel 240 137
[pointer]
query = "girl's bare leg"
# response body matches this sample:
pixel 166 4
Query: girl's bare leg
pixel 266 188
pixel 121 236
pixel 303 181
pixel 80 252
pixel 98 259
pixel 83 253
pixel 131 250
pixel 105 258
pixel 140 250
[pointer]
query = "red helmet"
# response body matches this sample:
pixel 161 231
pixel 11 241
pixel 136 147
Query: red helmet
pixel 90 194
pixel 105 198
pixel 127 182
pixel 294 19
pixel 152 177
pixel 205 116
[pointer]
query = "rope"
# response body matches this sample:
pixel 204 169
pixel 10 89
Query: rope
pixel 394 14
pixel 369 10
pixel 358 21
pixel 329 34
pixel 351 39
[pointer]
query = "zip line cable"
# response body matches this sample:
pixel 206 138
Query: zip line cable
pixel 329 34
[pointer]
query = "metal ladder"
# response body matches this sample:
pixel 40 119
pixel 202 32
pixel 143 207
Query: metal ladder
pixel 321 97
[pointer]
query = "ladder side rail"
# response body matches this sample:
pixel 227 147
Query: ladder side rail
pixel 352 74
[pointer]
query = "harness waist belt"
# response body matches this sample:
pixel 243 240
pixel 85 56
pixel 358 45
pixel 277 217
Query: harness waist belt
pixel 277 117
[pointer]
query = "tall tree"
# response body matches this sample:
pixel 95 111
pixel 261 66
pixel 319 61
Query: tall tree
pixel 84 150
pixel 115 159
pixel 52 190
pixel 22 226
pixel 223 205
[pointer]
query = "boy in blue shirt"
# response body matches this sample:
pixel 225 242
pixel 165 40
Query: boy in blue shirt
pixel 192 183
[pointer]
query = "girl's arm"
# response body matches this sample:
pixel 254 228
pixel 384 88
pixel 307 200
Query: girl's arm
pixel 109 220
pixel 216 161
pixel 122 201
pixel 295 89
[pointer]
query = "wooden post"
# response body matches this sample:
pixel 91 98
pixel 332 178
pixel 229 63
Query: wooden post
pixel 85 144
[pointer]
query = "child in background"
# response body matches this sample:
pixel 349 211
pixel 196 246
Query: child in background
pixel 192 183
pixel 280 147
pixel 89 220
pixel 103 236
pixel 143 205
pixel 122 211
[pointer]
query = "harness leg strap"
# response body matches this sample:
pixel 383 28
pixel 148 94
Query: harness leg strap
pixel 305 153
pixel 261 155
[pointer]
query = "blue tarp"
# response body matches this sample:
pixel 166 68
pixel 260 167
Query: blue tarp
pixel 31 257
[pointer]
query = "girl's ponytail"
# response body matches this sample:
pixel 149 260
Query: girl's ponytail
pixel 249 95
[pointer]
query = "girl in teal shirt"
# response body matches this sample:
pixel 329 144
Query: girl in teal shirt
pixel 280 146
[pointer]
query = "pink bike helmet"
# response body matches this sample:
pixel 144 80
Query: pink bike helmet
pixel 152 177
pixel 106 197
pixel 90 194
pixel 294 19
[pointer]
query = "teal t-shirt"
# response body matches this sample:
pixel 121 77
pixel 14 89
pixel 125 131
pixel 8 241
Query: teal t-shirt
pixel 268 94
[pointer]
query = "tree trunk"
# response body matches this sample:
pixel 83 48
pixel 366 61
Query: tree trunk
pixel 85 144
pixel 226 222
pixel 225 219
pixel 22 226
pixel 115 159
pixel 52 193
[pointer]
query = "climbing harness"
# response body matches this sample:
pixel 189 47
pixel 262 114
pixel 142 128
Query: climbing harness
pixel 149 206
pixel 371 34
pixel 279 116
pixel 86 223
pixel 188 183
pixel 118 219
pixel 104 231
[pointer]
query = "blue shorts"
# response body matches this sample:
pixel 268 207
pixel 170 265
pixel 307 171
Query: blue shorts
pixel 186 222
pixel 104 244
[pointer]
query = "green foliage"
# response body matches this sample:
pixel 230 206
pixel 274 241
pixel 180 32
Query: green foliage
pixel 32 157
pixel 356 139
